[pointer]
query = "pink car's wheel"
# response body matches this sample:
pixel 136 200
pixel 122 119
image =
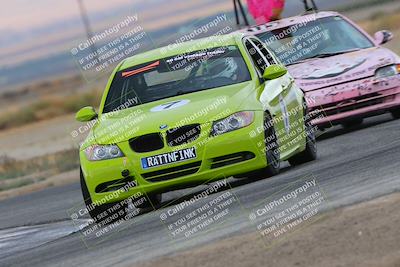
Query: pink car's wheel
pixel 352 123
pixel 396 113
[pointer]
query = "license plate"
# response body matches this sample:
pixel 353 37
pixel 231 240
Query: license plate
pixel 169 158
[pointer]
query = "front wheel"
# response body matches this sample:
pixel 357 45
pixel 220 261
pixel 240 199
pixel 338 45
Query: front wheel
pixel 106 213
pixel 310 153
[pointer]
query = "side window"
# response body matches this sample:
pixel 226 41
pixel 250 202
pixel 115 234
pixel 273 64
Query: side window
pixel 256 56
pixel 268 56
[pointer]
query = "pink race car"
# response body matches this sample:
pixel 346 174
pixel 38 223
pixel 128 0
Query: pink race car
pixel 345 73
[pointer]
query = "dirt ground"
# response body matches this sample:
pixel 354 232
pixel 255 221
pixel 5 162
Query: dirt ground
pixel 41 138
pixel 366 234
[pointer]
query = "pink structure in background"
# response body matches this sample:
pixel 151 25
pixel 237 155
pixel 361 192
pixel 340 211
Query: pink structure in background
pixel 264 11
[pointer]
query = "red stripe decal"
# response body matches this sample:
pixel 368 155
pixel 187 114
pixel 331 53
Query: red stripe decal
pixel 146 68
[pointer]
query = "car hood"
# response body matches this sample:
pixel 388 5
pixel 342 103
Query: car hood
pixel 323 72
pixel 198 107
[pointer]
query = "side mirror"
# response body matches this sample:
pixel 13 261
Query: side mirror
pixel 86 114
pixel 382 37
pixel 274 71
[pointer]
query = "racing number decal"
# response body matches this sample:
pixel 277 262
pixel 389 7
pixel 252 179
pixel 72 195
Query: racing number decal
pixel 170 105
pixel 285 114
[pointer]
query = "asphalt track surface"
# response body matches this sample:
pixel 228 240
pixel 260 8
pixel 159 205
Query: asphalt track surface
pixel 353 166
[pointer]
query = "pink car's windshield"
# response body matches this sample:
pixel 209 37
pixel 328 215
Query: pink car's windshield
pixel 319 38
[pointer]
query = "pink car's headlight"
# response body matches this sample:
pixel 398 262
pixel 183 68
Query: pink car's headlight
pixel 387 71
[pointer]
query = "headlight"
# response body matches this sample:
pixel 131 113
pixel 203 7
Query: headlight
pixel 233 122
pixel 98 152
pixel 387 71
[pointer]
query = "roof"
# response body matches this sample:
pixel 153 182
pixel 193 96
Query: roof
pixel 287 22
pixel 181 48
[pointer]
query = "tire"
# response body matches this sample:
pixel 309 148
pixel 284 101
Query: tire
pixel 101 213
pixel 310 153
pixel 395 113
pixel 271 149
pixel 152 202
pixel 352 123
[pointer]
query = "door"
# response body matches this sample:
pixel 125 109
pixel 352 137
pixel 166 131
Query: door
pixel 279 94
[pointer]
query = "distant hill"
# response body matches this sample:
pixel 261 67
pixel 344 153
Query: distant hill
pixel 51 56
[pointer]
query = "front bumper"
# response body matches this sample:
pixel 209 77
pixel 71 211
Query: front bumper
pixel 357 99
pixel 219 157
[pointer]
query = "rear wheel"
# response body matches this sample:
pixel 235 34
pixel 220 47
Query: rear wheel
pixel 271 148
pixel 396 113
pixel 310 153
pixel 107 213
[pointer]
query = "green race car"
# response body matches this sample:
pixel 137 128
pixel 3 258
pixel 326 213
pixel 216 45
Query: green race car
pixel 189 114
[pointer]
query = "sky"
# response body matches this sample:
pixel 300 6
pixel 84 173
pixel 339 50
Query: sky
pixel 35 28
pixel 32 29
pixel 20 15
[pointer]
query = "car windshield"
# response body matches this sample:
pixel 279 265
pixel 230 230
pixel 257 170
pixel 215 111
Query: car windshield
pixel 177 75
pixel 318 38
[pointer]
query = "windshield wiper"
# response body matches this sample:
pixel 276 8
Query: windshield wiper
pixel 323 55
pixel 180 92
